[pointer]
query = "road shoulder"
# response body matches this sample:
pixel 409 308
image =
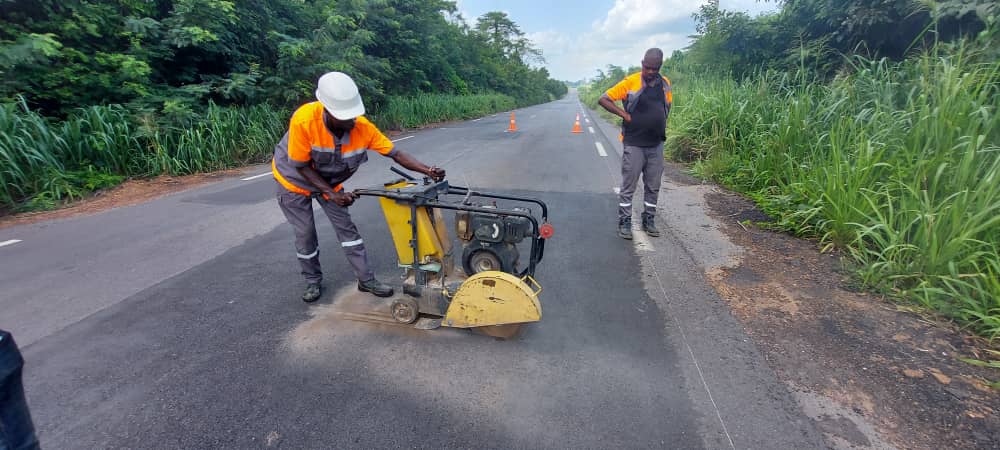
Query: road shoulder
pixel 872 374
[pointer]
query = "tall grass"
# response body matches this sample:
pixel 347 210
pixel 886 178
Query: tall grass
pixel 45 161
pixel 897 164
pixel 408 112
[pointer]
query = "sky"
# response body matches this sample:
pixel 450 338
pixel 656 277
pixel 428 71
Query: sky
pixel 578 37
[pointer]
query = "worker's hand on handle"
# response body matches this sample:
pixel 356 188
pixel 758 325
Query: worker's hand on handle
pixel 436 173
pixel 344 199
pixel 626 117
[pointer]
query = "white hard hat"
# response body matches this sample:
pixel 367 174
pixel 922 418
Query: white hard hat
pixel 339 95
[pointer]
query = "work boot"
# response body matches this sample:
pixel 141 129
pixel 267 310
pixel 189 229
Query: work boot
pixel 649 226
pixel 625 228
pixel 312 293
pixel 375 287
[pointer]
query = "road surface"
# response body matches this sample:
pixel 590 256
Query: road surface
pixel 177 323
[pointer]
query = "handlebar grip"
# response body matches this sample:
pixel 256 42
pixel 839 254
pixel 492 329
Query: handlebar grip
pixel 402 174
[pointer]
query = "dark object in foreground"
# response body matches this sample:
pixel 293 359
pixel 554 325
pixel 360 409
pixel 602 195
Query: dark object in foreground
pixel 16 429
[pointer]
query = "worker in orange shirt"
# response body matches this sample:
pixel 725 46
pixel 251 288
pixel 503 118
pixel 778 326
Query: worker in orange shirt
pixel 646 101
pixel 326 142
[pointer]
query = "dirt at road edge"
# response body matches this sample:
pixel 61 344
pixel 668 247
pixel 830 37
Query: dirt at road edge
pixel 870 374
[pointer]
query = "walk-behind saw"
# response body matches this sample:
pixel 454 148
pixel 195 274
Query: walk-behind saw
pixel 488 292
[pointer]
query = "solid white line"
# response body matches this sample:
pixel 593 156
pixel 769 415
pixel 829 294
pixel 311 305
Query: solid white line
pixel 10 242
pixel 401 139
pixel 600 149
pixel 591 130
pixel 641 241
pixel 255 176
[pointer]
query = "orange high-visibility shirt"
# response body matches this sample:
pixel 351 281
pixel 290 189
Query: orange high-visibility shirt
pixel 309 143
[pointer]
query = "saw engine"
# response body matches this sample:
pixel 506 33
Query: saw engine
pixel 489 241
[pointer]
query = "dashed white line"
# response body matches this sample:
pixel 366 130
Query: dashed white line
pixel 600 149
pixel 405 138
pixel 617 190
pixel 10 242
pixel 255 176
pixel 477 120
pixel 591 130
pixel 588 120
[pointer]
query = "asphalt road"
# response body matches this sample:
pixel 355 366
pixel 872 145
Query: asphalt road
pixel 177 323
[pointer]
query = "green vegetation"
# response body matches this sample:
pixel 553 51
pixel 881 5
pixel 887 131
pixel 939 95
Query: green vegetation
pixel 46 162
pixel 105 89
pixel 892 156
pixel 407 112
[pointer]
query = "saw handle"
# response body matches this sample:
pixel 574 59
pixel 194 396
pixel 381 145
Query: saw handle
pixel 402 174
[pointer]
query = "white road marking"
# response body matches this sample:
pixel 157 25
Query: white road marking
pixel 591 130
pixel 10 242
pixel 477 120
pixel 617 190
pixel 600 149
pixel 588 120
pixel 255 176
pixel 639 238
pixel 405 138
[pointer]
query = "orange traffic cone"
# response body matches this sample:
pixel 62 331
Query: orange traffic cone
pixel 513 124
pixel 576 125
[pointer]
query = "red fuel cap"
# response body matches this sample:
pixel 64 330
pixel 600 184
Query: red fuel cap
pixel 546 230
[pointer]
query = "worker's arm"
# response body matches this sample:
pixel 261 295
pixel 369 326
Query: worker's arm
pixel 313 177
pixel 404 159
pixel 612 108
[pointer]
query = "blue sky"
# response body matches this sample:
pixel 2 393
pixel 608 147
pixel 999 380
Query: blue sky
pixel 577 37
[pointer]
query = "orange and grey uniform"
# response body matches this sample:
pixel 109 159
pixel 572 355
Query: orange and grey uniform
pixel 309 142
pixel 642 138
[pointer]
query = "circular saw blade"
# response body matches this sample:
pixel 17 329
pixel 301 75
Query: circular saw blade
pixel 506 331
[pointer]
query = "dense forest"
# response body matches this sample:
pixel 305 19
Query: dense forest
pixel 870 125
pixel 95 91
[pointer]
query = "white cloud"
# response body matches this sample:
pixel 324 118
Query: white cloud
pixel 637 16
pixel 625 32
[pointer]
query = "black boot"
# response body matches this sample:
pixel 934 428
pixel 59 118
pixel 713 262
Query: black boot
pixel 375 287
pixel 625 228
pixel 649 226
pixel 312 293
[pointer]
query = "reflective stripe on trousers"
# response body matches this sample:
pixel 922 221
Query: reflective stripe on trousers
pixel 648 163
pixel 299 212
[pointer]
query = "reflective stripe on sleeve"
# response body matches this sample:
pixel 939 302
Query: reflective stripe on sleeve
pixel 309 256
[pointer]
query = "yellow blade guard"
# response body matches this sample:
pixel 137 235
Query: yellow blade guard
pixel 494 298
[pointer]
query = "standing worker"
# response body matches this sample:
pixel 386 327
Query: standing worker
pixel 646 98
pixel 326 142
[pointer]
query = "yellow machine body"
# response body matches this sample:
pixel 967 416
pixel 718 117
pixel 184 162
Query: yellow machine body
pixel 432 239
pixel 492 302
pixel 493 298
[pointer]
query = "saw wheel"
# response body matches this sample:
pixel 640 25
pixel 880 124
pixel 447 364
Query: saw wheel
pixel 507 331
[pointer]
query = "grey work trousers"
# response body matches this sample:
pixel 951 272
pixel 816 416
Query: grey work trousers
pixel 647 162
pixel 299 212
